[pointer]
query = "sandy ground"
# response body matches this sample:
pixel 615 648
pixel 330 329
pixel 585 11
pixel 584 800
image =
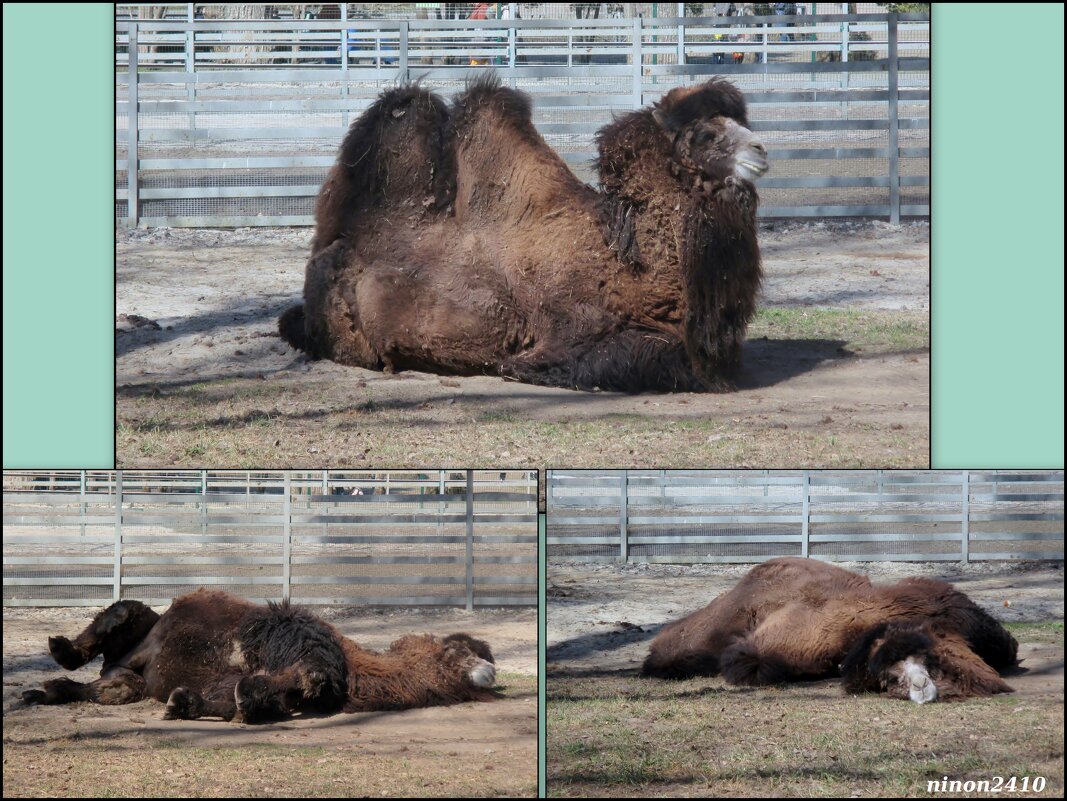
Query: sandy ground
pixel 206 358
pixel 497 740
pixel 602 617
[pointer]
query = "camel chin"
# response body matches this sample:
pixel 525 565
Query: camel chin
pixel 916 680
pixel 483 674
pixel 750 168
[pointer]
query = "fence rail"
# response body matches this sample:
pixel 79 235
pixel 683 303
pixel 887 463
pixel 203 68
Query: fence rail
pixel 85 538
pixel 751 516
pixel 236 122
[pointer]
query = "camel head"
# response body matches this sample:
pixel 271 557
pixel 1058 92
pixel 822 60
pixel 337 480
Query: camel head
pixel 708 128
pixel 912 660
pixel 897 659
pixel 473 656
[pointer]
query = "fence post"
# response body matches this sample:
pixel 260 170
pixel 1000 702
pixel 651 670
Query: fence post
pixel 287 529
pixel 81 495
pixel 681 34
pixel 344 61
pixel 325 503
pixel 637 61
pixel 470 541
pixel 117 590
pixel 624 537
pixel 203 503
pixel 894 123
pixel 512 41
pixel 805 521
pixel 403 52
pixel 190 60
pixel 131 144
pixel 965 518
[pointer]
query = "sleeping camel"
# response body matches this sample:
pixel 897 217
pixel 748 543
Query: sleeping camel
pixel 794 619
pixel 453 239
pixel 212 654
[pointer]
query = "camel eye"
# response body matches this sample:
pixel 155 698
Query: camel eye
pixel 704 137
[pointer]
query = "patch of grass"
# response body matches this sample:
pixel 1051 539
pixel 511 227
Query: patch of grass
pixel 865 332
pixel 1050 632
pixel 630 736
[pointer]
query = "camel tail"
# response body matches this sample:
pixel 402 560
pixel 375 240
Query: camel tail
pixel 291 327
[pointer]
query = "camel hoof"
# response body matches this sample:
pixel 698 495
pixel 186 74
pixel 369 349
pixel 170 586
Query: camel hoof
pixel 33 697
pixel 183 704
pixel 65 654
pixel 483 674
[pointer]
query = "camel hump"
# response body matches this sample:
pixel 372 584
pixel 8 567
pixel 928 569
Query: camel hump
pixel 291 327
pixel 391 159
pixel 485 93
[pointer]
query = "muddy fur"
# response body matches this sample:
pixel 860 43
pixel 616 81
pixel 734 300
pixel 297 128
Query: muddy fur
pixel 213 654
pixel 453 239
pixel 791 619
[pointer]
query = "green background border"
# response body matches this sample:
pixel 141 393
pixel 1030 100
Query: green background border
pixel 59 299
pixel 997 239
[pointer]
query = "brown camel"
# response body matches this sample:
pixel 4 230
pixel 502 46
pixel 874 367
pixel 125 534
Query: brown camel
pixel 791 619
pixel 212 654
pixel 455 240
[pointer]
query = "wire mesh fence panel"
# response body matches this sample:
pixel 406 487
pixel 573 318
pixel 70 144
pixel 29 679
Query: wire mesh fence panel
pixel 362 537
pixel 748 516
pixel 237 119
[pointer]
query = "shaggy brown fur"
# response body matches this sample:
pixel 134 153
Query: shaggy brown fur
pixel 455 240
pixel 214 654
pixel 792 618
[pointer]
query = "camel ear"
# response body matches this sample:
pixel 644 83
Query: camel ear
pixel 660 117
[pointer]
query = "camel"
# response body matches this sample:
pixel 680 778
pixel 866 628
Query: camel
pixel 212 654
pixel 793 619
pixel 453 239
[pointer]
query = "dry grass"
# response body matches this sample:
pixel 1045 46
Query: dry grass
pixel 250 423
pixel 75 754
pixel 622 735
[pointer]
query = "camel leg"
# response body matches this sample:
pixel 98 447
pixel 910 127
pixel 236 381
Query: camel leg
pixel 628 361
pixel 112 633
pixel 115 686
pixel 214 700
pixel 260 698
pixel 773 654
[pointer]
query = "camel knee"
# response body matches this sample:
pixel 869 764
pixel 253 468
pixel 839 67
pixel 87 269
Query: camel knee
pixel 184 704
pixel 66 654
pixel 258 701
pixel 126 689
pixel 744 664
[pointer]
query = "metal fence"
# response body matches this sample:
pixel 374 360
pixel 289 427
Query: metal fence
pixel 238 121
pixel 751 516
pixel 86 538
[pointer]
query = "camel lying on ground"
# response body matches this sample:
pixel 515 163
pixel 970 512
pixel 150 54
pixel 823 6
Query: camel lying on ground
pixel 794 619
pixel 453 239
pixel 212 654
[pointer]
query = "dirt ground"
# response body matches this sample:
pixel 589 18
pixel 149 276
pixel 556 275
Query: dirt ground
pixel 701 737
pixel 836 370
pixel 481 749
